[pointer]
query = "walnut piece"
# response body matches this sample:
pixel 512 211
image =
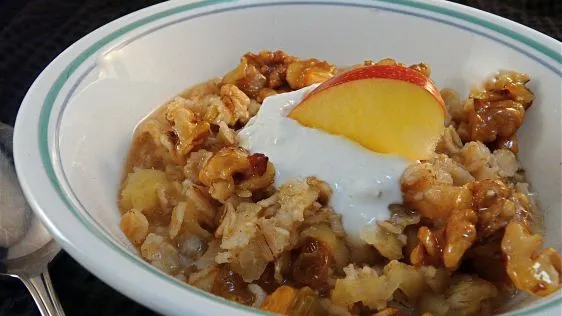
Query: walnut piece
pixel 495 114
pixel 188 131
pixel 430 191
pixel 257 71
pixel 232 169
pixel 446 246
pixel 303 73
pixel 531 270
pixel 460 234
pixel 497 204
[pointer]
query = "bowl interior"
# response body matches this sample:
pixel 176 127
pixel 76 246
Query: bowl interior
pixel 128 79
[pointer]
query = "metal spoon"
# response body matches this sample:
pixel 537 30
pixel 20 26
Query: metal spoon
pixel 26 248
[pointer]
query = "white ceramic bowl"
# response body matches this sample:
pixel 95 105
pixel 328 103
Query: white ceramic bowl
pixel 75 124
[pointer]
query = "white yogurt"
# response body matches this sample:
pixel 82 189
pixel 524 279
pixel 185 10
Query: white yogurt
pixel 364 182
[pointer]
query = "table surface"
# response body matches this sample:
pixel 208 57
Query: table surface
pixel 33 32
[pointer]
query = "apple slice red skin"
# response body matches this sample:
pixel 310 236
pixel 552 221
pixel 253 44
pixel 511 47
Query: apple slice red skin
pixel 393 72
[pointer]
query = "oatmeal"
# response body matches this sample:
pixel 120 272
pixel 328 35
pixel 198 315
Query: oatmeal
pixel 213 199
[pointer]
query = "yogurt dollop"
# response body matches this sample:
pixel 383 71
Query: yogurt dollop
pixel 364 182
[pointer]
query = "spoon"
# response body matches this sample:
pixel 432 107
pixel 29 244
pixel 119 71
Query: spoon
pixel 26 248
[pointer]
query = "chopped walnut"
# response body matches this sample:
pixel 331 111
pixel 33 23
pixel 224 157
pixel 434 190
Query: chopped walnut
pixel 495 114
pixel 531 270
pixel 232 167
pixel 303 73
pixel 188 130
pixel 496 205
pixel 490 121
pixel 229 106
pixel 513 84
pixel 173 135
pixel 247 78
pixel 430 191
pixel 446 246
pixel 267 73
pixel 429 250
pixel 273 65
pixel 257 71
pixel 460 234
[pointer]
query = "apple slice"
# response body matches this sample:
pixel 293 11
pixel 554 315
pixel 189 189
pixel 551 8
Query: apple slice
pixel 385 108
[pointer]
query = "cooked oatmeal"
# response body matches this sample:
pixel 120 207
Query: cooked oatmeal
pixel 205 210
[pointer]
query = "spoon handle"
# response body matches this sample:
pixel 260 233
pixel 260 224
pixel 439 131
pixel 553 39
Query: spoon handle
pixel 41 289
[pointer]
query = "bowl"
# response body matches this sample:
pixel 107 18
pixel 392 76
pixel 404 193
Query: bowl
pixel 75 124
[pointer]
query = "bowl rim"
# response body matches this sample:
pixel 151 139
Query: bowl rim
pixel 34 159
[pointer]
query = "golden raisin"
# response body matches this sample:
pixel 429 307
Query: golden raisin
pixel 258 164
pixel 313 265
pixel 230 285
